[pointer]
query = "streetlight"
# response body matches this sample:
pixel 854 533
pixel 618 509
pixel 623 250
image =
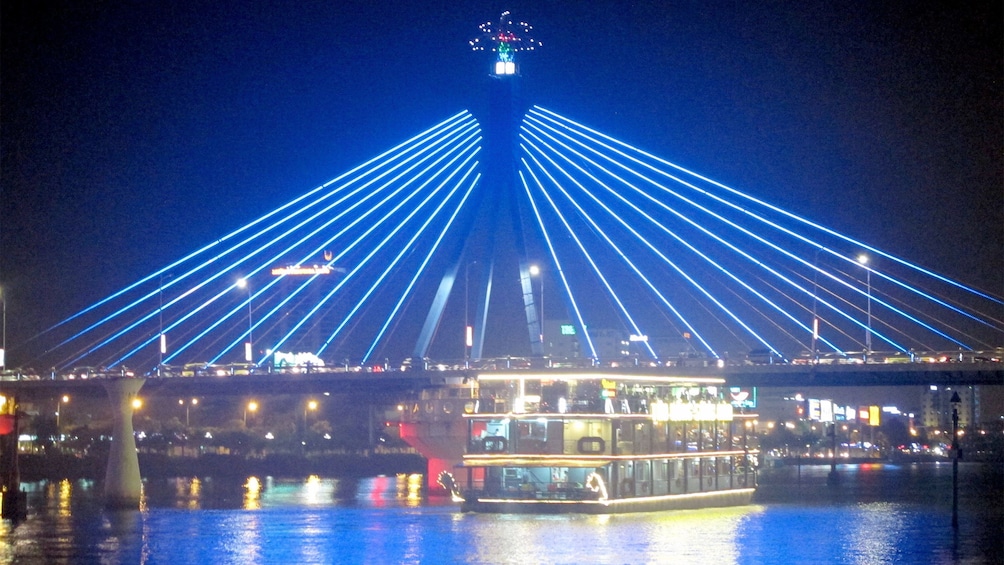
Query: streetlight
pixel 815 314
pixel 311 406
pixel 468 330
pixel 863 260
pixel 955 458
pixel 534 272
pixel 194 402
pixel 251 407
pixel 160 317
pixel 64 400
pixel 3 344
pixel 249 346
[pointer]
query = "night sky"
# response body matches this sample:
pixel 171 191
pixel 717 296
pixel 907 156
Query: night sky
pixel 134 132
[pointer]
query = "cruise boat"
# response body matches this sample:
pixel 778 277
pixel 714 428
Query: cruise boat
pixel 601 443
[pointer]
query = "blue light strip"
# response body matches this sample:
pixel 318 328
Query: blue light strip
pixel 167 270
pixel 789 232
pixel 874 298
pixel 178 279
pixel 663 228
pixel 773 208
pixel 358 220
pixel 406 248
pixel 470 131
pixel 359 266
pixel 421 268
pixel 598 229
pixel 454 135
pixel 554 258
pixel 631 264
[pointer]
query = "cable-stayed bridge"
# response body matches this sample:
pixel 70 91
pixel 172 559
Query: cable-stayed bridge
pixel 526 233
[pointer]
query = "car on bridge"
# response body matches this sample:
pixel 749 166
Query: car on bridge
pixel 192 369
pixel 763 357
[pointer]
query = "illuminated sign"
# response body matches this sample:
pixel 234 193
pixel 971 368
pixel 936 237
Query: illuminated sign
pixel 301 270
pixel 642 338
pixel 874 416
pixel 742 397
pixel 700 411
pixel 825 410
pixel 814 409
pixel 296 359
pixel 567 329
pixel 660 411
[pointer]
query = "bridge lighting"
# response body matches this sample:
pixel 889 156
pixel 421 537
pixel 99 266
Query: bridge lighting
pixel 505 39
pixel 137 403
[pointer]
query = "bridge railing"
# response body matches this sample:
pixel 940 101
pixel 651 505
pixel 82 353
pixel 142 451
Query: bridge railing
pixel 506 363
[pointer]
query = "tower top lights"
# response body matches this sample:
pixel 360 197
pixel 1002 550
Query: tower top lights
pixel 505 39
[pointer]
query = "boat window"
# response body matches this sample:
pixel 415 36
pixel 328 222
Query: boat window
pixel 591 444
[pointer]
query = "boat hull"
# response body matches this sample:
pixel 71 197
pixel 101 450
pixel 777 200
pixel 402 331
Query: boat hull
pixel 714 499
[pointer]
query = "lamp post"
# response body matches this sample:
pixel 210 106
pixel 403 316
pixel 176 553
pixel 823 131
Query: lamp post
pixel 468 330
pixel 3 344
pixel 160 317
pixel 955 458
pixel 863 260
pixel 311 406
pixel 193 402
pixel 64 400
pixel 815 314
pixel 535 271
pixel 249 346
pixel 251 407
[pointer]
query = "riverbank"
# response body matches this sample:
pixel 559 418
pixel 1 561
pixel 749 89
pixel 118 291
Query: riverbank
pixel 152 465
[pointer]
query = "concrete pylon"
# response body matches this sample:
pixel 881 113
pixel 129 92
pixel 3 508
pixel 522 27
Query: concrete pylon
pixel 123 484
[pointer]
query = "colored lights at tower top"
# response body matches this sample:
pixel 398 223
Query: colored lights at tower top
pixel 505 39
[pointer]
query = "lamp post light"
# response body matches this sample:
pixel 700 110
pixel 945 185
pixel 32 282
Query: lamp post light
pixel 955 458
pixel 251 407
pixel 65 399
pixel 310 406
pixel 863 260
pixel 249 346
pixel 193 402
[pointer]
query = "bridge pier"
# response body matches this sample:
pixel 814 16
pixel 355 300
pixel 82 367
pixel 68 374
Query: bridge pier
pixel 123 484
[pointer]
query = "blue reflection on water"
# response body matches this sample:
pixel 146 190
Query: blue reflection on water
pixel 877 514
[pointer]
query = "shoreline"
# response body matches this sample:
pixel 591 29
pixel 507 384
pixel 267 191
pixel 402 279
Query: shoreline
pixel 57 467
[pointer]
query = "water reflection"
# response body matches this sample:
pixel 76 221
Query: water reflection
pixel 256 493
pixel 689 536
pixel 252 494
pixel 385 520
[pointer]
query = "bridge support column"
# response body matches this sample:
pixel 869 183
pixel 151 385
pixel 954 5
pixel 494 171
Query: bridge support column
pixel 123 484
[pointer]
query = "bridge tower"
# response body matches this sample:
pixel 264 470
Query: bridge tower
pixel 495 247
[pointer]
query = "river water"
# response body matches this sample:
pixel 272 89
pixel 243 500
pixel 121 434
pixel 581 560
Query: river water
pixel 876 514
